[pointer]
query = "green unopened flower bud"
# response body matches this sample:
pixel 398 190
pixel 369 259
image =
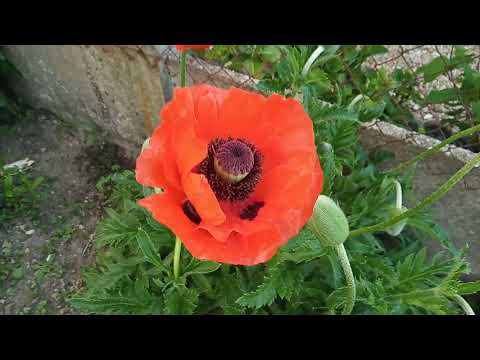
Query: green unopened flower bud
pixel 398 210
pixel 325 147
pixel 397 228
pixel 328 222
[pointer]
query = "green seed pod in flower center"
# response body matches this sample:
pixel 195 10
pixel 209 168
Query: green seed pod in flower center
pixel 233 161
pixel 328 222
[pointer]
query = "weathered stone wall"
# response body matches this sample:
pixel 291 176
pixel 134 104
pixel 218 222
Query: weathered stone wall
pixel 459 210
pixel 116 87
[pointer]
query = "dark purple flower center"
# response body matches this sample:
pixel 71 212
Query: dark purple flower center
pixel 233 168
pixel 233 161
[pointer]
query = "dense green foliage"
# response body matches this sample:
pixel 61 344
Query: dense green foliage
pixel 394 275
pixel 342 76
pixel 133 274
pixel 19 193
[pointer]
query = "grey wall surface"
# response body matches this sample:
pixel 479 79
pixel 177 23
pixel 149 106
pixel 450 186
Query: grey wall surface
pixel 459 210
pixel 118 88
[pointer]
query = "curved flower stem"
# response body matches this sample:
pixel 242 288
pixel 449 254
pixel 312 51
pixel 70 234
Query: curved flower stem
pixel 178 243
pixel 398 193
pixel 176 258
pixel 183 68
pixel 312 59
pixel 464 305
pixel 434 149
pixel 347 269
pixel 436 195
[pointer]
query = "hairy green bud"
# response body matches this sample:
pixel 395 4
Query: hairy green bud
pixel 328 222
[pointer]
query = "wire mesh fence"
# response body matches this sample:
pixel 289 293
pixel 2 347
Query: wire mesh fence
pixel 201 71
pixel 457 211
pixel 378 135
pixel 413 58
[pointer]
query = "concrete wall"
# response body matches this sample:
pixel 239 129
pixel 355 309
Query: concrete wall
pixel 459 210
pixel 116 87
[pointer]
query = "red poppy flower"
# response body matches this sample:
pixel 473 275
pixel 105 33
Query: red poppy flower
pixel 195 47
pixel 239 172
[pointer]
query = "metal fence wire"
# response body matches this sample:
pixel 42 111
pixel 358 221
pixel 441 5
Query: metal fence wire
pixel 380 135
pixel 409 57
pixel 201 71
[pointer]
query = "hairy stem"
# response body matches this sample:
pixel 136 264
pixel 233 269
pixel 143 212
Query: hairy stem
pixel 434 149
pixel 312 59
pixel 176 258
pixel 398 197
pixel 436 195
pixel 464 305
pixel 178 243
pixel 183 68
pixel 347 269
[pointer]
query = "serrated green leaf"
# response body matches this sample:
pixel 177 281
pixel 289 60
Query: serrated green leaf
pixel 203 284
pixel 432 230
pixel 441 96
pixel 141 287
pixel 233 310
pixel 337 299
pixel 265 294
pixel 476 109
pixel 201 267
pixel 180 301
pixel 271 53
pixel 371 50
pixel 253 67
pixel 146 245
pixel 108 304
pixel 287 281
pixel 36 183
pixel 433 69
pixel 469 288
pixel 284 71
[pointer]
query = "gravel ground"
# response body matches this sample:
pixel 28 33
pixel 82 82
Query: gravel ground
pixel 414 56
pixel 44 253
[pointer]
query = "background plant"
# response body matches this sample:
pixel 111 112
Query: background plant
pixel 20 193
pixel 343 75
pixel 255 60
pixel 394 274
pixel 133 273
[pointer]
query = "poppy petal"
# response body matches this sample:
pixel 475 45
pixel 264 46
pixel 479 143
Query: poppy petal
pixel 219 115
pixel 156 166
pixel 190 150
pixel 238 250
pixel 292 134
pixel 200 194
pixel 166 208
pixel 149 169
pixel 207 102
pixel 291 180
